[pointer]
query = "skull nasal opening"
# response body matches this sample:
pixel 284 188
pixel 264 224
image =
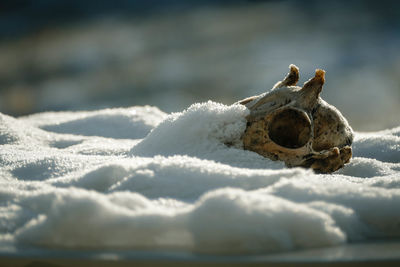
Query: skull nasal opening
pixel 290 128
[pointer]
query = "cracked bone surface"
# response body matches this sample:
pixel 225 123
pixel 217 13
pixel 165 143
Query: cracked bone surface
pixel 293 124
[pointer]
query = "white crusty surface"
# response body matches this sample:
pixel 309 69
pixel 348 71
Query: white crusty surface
pixel 178 186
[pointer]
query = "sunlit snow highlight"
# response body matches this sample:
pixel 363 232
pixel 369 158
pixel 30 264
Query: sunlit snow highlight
pixel 138 178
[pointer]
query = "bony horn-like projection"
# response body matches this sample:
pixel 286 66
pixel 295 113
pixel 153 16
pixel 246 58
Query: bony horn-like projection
pixel 293 124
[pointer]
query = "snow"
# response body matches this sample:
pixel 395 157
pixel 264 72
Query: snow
pixel 139 179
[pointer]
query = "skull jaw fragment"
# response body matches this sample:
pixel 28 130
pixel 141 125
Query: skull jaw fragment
pixel 293 124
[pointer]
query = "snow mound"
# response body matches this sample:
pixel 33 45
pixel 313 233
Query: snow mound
pixel 138 178
pixel 130 123
pixel 199 129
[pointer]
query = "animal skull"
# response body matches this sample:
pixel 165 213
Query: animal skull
pixel 293 124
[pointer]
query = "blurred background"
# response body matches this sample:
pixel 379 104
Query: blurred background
pixel 85 55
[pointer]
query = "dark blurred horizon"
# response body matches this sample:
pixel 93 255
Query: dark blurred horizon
pixel 24 17
pixel 20 17
pixel 85 55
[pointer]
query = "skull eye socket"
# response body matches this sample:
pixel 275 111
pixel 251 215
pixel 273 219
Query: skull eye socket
pixel 290 128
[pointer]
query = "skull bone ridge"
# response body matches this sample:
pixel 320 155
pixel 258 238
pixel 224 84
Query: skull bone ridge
pixel 293 124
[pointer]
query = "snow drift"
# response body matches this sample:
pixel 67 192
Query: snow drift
pixel 137 178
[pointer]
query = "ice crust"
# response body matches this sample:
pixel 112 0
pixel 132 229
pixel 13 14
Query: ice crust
pixel 137 178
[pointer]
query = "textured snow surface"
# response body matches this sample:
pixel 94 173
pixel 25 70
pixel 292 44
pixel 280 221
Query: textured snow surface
pixel 138 178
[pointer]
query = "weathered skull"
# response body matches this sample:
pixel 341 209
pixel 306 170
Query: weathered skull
pixel 295 125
